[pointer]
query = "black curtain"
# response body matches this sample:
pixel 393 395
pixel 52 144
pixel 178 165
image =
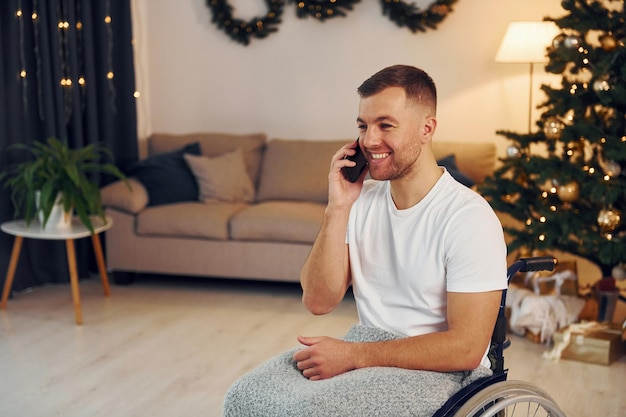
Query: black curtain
pixel 67 72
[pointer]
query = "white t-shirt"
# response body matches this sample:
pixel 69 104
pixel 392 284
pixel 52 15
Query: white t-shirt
pixel 404 262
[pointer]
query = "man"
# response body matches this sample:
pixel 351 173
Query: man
pixel 425 257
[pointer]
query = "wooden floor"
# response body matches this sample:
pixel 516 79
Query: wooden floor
pixel 172 347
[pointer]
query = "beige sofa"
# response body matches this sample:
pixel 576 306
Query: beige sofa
pixel 265 236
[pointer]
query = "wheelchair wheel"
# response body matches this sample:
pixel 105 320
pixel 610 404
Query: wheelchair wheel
pixel 510 399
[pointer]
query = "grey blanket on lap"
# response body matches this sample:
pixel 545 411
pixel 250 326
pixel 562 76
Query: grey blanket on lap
pixel 278 389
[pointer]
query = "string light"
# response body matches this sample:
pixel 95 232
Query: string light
pixel 37 51
pixel 68 57
pixel 110 75
pixel 22 74
pixel 64 58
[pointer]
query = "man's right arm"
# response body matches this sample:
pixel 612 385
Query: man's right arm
pixel 325 276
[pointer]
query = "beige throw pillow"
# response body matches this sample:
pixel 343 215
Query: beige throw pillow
pixel 297 169
pixel 223 177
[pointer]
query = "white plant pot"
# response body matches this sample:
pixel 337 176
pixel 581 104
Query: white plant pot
pixel 58 219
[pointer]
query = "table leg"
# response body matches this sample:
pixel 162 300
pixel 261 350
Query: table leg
pixel 97 247
pixel 8 282
pixel 71 263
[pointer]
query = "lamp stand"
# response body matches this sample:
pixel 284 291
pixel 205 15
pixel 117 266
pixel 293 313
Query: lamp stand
pixel 530 97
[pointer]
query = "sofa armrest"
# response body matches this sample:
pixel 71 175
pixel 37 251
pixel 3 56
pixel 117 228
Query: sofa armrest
pixel 119 195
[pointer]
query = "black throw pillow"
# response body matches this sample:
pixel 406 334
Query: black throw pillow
pixel 167 176
pixel 449 162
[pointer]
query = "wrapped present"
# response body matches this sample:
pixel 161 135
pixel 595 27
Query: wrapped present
pixel 539 316
pixel 591 342
pixel 563 280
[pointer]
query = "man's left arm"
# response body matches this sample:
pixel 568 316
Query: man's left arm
pixel 471 319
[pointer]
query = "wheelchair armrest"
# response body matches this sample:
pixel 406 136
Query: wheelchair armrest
pixel 539 263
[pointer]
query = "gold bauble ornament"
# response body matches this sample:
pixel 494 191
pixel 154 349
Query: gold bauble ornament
pixel 608 42
pixel 553 128
pixel 569 192
pixel 609 219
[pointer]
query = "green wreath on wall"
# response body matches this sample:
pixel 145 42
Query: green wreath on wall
pixel 322 9
pixel 402 13
pixel 240 30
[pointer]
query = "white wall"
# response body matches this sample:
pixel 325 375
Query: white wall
pixel 300 82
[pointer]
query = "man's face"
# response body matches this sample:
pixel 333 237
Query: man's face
pixel 391 129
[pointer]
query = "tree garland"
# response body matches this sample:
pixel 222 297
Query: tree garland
pixel 402 13
pixel 240 30
pixel 409 15
pixel 322 9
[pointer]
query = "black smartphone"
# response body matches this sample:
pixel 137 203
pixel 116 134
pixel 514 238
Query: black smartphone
pixel 353 173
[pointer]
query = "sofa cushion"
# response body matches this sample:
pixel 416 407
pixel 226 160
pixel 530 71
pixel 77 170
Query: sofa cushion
pixel 278 221
pixel 222 178
pixel 297 169
pixel 214 144
pixel 477 160
pixel 449 162
pixel 194 219
pixel 167 177
pixel 119 195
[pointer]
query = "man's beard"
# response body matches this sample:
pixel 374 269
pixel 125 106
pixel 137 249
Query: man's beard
pixel 395 171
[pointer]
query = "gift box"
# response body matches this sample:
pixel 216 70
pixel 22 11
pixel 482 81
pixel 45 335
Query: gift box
pixel 590 342
pixel 563 280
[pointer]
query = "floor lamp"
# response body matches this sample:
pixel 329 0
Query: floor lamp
pixel 527 42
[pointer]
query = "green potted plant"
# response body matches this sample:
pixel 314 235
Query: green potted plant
pixel 58 175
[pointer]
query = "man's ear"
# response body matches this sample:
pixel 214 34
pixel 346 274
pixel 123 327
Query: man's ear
pixel 428 129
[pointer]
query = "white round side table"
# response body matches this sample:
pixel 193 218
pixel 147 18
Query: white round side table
pixel 76 230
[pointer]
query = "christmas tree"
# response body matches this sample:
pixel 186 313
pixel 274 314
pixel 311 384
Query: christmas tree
pixel 565 182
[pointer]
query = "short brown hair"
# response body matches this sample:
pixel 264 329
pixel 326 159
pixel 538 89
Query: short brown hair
pixel 417 84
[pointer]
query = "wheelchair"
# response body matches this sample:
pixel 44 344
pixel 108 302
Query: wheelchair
pixel 495 396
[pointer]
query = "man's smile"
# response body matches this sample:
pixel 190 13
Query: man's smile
pixel 376 156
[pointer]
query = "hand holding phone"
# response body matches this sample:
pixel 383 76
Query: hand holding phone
pixel 352 174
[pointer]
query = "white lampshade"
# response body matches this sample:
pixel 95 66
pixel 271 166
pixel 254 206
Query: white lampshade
pixel 526 42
